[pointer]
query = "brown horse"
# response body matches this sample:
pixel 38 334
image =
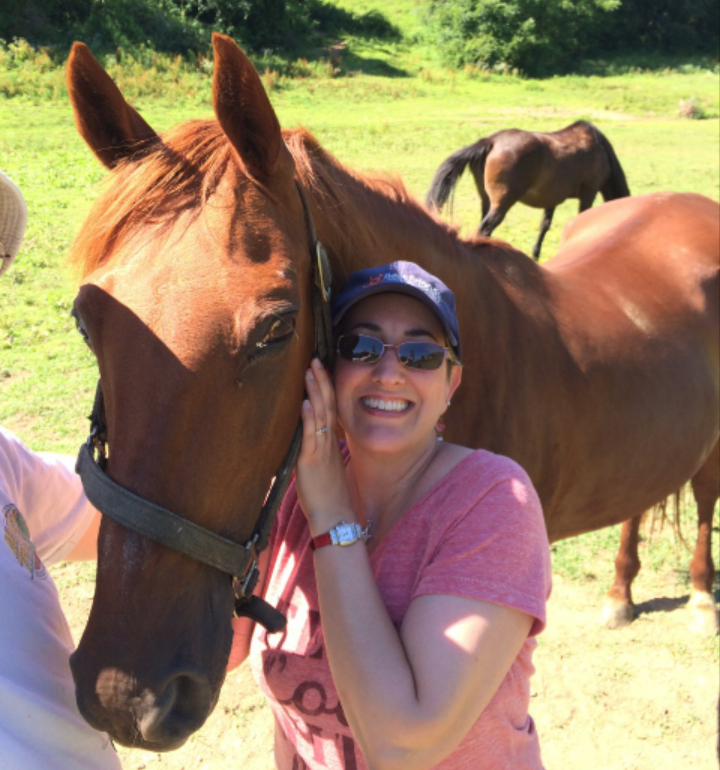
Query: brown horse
pixel 537 169
pixel 599 373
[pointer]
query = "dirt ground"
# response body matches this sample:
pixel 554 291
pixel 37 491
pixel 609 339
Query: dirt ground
pixel 642 698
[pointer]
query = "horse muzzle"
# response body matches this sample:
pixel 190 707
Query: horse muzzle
pixel 157 717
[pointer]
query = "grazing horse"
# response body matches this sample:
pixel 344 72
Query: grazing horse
pixel 599 373
pixel 539 170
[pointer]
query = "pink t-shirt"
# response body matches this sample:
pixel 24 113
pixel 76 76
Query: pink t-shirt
pixel 480 534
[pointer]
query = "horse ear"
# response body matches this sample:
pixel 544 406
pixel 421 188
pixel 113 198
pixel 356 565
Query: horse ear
pixel 246 115
pixel 111 127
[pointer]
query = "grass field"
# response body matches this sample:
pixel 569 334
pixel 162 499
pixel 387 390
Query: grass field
pixel 404 124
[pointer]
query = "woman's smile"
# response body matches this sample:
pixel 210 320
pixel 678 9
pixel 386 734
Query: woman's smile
pixel 386 405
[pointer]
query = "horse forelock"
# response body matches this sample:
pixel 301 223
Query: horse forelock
pixel 174 176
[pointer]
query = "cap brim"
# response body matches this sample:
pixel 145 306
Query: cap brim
pixel 397 288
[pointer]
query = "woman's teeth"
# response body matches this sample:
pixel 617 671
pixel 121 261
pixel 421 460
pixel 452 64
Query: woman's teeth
pixel 387 406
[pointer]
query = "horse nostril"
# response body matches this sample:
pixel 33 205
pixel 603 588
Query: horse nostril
pixel 182 707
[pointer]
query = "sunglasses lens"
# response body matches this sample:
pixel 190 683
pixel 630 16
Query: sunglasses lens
pixel 421 355
pixel 360 348
pixel 363 349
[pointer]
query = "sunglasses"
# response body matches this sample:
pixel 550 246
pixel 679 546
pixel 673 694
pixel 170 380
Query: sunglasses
pixel 363 349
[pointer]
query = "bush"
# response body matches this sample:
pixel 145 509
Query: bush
pixel 103 24
pixel 542 37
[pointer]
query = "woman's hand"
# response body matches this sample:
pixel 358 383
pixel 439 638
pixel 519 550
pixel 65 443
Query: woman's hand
pixel 320 473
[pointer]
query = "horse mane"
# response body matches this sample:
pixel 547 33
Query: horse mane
pixel 178 173
pixel 366 201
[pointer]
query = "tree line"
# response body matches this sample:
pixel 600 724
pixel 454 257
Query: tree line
pixel 535 37
pixel 184 26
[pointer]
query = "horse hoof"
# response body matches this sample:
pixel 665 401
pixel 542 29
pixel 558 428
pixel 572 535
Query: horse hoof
pixel 704 614
pixel 616 614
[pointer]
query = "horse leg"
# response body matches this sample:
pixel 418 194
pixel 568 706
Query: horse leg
pixel 478 172
pixel 706 489
pixel 544 227
pixel 484 202
pixel 587 198
pixel 500 204
pixel 491 220
pixel 618 608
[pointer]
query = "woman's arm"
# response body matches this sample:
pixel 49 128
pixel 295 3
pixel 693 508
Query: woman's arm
pixel 411 697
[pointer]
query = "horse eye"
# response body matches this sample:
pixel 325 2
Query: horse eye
pixel 281 331
pixel 81 329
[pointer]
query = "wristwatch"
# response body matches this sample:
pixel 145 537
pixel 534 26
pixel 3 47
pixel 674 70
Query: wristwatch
pixel 342 534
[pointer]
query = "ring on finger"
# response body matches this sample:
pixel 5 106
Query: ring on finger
pixel 322 431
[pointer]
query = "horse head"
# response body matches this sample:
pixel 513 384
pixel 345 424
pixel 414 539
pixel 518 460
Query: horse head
pixel 196 300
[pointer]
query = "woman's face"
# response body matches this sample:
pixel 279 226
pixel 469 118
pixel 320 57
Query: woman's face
pixel 385 407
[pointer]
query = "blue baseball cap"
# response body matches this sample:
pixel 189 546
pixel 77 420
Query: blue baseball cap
pixel 402 278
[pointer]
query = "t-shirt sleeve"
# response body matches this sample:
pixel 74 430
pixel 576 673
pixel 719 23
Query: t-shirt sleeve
pixel 48 493
pixel 495 549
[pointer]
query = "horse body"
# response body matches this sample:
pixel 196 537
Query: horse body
pixel 538 169
pixel 598 373
pixel 622 365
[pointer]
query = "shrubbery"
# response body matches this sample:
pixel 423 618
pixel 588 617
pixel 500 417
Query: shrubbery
pixel 184 26
pixel 541 37
pixel 103 24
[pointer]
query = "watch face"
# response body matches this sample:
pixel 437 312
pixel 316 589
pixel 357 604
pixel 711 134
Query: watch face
pixel 345 534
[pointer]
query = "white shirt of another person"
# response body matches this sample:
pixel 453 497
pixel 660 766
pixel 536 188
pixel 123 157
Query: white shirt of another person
pixel 43 514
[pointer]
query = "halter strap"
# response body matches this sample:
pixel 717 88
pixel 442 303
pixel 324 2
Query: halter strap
pixel 178 533
pixel 171 530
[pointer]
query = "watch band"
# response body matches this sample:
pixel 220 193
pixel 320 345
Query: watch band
pixel 342 534
pixel 321 541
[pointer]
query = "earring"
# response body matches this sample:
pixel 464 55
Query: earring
pixel 448 402
pixel 439 428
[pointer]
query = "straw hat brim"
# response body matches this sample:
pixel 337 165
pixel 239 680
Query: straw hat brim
pixel 13 219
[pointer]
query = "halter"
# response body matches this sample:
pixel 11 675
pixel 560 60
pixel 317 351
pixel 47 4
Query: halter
pixel 240 561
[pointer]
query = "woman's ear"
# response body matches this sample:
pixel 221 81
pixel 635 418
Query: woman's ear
pixel 454 381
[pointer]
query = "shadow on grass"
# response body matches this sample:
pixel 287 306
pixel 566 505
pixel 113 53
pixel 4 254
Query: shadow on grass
pixel 352 62
pixel 662 604
pixel 335 21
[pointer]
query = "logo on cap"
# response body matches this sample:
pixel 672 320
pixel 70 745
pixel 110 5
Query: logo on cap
pixel 408 280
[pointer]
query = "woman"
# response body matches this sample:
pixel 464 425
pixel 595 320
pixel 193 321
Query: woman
pixel 422 625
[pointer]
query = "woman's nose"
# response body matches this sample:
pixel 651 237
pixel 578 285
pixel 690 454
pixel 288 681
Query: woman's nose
pixel 389 368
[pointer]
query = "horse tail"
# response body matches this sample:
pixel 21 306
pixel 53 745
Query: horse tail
pixel 450 171
pixel 670 510
pixel 615 185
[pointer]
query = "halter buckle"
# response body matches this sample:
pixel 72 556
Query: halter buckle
pixel 324 275
pixel 96 445
pixel 252 571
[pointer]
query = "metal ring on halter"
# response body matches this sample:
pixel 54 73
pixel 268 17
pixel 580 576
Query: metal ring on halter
pixel 321 431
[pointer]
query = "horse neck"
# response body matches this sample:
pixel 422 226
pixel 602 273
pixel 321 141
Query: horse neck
pixel 365 223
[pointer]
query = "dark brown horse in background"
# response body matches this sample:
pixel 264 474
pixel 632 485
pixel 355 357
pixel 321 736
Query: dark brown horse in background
pixel 537 169
pixel 599 372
